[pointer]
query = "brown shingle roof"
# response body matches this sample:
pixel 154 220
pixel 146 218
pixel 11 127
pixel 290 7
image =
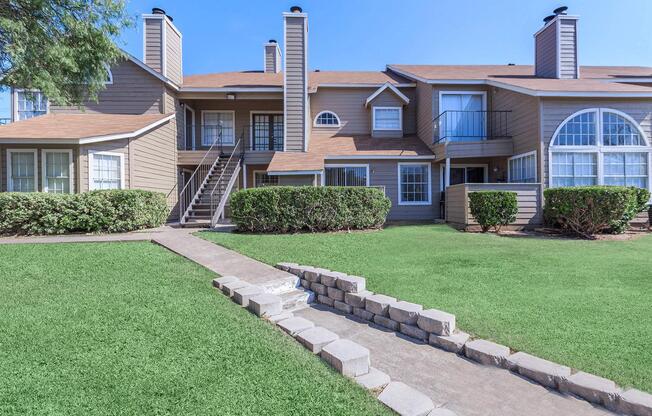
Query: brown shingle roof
pixel 592 77
pixel 253 79
pixel 323 146
pixel 78 126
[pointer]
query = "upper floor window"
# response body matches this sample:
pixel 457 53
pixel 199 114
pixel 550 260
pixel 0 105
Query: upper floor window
pixel 387 118
pixel 216 124
pixel 327 119
pixel 599 146
pixel 30 104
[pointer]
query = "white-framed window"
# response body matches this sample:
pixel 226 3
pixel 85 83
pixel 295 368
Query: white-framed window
pixel 327 119
pixel 106 170
pixel 346 175
pixel 599 146
pixel 30 104
pixel 522 168
pixel 57 170
pixel 261 179
pixel 109 75
pixel 21 170
pixel 387 118
pixel 215 123
pixel 414 181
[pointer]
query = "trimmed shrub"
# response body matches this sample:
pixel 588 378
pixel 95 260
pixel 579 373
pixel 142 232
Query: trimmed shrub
pixel 493 208
pixel 283 209
pixel 88 212
pixel 638 204
pixel 589 210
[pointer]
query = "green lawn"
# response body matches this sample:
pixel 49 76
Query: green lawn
pixel 587 304
pixel 131 329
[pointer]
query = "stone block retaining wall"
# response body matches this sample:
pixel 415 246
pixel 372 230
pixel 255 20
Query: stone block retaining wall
pixel 348 294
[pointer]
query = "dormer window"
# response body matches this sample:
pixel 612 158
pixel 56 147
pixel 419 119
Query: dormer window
pixel 387 118
pixel 327 119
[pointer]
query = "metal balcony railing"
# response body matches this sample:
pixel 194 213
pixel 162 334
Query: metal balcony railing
pixel 205 135
pixel 466 126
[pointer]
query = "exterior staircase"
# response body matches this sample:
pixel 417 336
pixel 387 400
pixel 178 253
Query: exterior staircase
pixel 293 296
pixel 204 198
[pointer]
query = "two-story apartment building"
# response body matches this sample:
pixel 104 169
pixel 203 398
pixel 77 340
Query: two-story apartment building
pixel 426 134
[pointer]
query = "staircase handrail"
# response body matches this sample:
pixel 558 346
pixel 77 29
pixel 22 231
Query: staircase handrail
pixel 216 213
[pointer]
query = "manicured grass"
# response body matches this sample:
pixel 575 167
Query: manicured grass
pixel 587 304
pixel 131 329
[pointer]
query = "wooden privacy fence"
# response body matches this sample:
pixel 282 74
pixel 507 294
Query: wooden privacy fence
pixel 528 195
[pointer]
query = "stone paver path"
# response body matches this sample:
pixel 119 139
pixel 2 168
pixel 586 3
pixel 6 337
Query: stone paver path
pixel 467 388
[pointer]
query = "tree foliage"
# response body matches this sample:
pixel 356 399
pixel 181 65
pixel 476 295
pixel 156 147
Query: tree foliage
pixel 60 47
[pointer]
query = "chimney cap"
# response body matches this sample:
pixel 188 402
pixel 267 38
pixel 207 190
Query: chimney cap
pixel 272 41
pixel 511 64
pixel 560 10
pixel 549 18
pixel 157 10
pixel 296 9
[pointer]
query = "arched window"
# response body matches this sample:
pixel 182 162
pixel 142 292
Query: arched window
pixel 599 146
pixel 327 119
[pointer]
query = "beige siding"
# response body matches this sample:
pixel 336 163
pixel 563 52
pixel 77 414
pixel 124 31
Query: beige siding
pixel 295 83
pixel 39 158
pixel 480 148
pixel 297 180
pixel 523 121
pixel 153 42
pixel 153 160
pixel 424 113
pixel 385 173
pixel 114 146
pixel 555 110
pixel 568 48
pixel 133 91
pixel 545 56
pixel 355 118
pixel 173 56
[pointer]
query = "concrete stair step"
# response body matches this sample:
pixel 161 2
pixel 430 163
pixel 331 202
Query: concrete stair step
pixel 282 285
pixel 296 299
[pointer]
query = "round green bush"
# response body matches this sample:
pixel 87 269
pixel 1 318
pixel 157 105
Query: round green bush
pixel 283 209
pixel 493 208
pixel 89 212
pixel 590 210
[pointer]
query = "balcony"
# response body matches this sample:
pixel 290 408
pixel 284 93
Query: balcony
pixel 458 134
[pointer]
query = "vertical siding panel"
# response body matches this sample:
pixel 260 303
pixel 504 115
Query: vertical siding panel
pixel 546 52
pixel 174 61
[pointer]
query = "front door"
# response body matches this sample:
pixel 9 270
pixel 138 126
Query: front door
pixel 267 131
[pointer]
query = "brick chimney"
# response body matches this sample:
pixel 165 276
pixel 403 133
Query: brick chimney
pixel 272 62
pixel 162 45
pixel 555 46
pixel 295 82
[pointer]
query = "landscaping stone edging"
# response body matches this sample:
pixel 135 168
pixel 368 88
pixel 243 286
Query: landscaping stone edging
pixel 345 356
pixel 438 329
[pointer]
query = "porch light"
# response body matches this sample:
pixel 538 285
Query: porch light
pixel 230 96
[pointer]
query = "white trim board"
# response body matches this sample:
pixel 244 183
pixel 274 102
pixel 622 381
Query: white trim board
pixel 392 88
pixel 71 172
pixel 294 172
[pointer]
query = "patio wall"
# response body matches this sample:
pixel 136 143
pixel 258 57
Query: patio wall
pixel 529 196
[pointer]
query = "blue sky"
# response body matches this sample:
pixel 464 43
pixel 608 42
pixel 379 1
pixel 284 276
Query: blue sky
pixel 366 35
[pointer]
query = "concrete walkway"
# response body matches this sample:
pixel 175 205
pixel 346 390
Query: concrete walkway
pixel 467 388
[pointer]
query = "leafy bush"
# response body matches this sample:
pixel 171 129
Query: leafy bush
pixel 290 209
pixel 590 210
pixel 89 212
pixel 493 208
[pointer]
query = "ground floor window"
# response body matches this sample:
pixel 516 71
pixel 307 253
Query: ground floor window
pixel 354 175
pixel 262 179
pixel 414 183
pixel 523 168
pixel 574 169
pixel 626 169
pixel 106 170
pixel 57 171
pixel 22 170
